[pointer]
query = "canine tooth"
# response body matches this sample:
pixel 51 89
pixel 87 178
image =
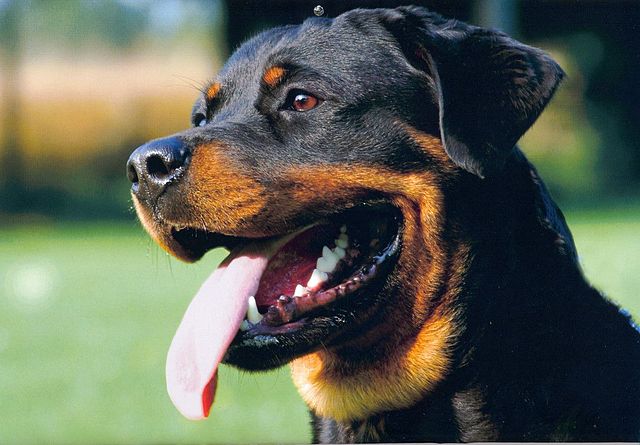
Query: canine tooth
pixel 342 243
pixel 299 290
pixel 245 325
pixel 343 229
pixel 339 252
pixel 252 311
pixel 317 277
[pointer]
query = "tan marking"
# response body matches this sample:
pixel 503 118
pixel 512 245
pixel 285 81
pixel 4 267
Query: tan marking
pixel 433 146
pixel 272 76
pixel 397 383
pixel 212 91
pixel 220 195
pixel 215 195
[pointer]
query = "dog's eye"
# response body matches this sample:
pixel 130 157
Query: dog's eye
pixel 299 100
pixel 199 120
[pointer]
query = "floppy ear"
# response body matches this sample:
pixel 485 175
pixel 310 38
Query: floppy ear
pixel 490 87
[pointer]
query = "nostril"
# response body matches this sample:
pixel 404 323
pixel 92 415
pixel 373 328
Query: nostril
pixel 157 167
pixel 132 174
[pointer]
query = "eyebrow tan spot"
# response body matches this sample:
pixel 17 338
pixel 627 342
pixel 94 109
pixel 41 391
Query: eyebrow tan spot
pixel 213 91
pixel 273 75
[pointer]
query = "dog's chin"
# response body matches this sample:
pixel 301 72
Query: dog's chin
pixel 324 281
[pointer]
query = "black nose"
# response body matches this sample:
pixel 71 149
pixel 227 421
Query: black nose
pixel 155 164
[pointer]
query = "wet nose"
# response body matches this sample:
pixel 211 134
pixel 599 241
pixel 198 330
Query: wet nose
pixel 155 164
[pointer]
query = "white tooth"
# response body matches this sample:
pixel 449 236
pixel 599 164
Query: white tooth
pixel 333 263
pixel 299 290
pixel 339 252
pixel 252 311
pixel 317 278
pixel 327 265
pixel 323 265
pixel 245 325
pixel 331 256
pixel 343 244
pixel 343 229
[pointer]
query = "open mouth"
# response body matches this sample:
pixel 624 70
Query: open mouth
pixel 310 268
pixel 269 290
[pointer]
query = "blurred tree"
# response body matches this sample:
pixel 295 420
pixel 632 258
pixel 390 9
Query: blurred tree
pixel 12 178
pixel 77 23
pixel 500 14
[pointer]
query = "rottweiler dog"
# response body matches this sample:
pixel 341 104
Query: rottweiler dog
pixel 388 239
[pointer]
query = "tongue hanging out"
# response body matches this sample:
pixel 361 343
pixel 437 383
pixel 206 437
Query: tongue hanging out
pixel 208 327
pixel 265 269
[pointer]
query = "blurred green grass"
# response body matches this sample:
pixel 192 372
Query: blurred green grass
pixel 87 314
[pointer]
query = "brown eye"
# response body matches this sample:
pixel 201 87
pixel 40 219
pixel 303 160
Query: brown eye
pixel 302 101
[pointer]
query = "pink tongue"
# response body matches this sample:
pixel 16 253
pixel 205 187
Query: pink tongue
pixel 210 324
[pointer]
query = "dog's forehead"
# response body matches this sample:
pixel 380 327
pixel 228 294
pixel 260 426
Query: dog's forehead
pixel 317 44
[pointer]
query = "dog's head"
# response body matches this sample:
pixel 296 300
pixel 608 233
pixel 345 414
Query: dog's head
pixel 324 157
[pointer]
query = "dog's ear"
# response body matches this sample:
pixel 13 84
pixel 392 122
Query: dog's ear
pixel 490 87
